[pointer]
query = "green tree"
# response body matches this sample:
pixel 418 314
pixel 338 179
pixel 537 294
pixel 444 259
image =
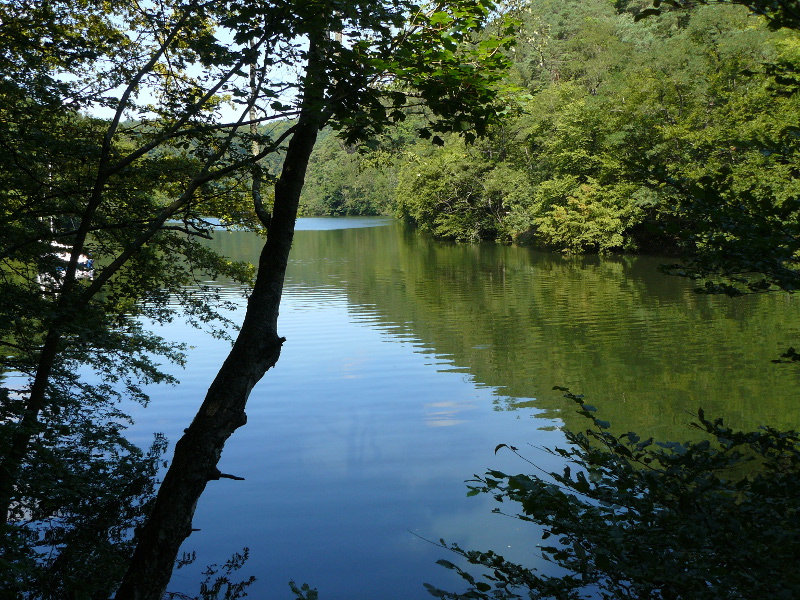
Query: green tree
pixel 445 195
pixel 397 56
pixel 669 135
pixel 344 181
pixel 133 192
pixel 727 160
pixel 735 199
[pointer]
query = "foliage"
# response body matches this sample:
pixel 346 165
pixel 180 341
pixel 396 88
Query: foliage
pixel 779 13
pixel 343 181
pixel 303 592
pixel 218 583
pixel 105 485
pixel 634 518
pixel 670 135
pixel 449 195
pixel 744 201
pixel 133 193
pixel 583 217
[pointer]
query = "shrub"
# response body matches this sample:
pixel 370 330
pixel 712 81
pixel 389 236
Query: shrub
pixel 714 519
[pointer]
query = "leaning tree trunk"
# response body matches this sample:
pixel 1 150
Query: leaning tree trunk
pixel 256 350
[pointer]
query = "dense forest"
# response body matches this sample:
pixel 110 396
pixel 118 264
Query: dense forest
pixel 619 135
pixel 129 131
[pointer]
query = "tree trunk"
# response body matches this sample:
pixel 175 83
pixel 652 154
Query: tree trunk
pixel 256 350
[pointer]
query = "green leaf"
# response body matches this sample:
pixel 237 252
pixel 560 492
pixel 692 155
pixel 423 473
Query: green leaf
pixel 439 18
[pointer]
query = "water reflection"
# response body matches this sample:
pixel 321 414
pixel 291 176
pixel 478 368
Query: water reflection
pixel 644 346
pixel 408 360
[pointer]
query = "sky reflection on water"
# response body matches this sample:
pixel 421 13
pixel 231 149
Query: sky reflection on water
pixel 407 362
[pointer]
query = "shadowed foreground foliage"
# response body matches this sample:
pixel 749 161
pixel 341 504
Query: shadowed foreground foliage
pixel 635 518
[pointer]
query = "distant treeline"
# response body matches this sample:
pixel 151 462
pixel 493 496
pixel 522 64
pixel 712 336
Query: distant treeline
pixel 621 135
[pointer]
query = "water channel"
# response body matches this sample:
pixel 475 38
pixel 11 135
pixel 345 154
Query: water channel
pixel 408 360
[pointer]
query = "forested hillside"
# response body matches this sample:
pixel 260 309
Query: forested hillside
pixel 676 131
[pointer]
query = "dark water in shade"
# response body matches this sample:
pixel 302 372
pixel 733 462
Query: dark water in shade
pixel 409 360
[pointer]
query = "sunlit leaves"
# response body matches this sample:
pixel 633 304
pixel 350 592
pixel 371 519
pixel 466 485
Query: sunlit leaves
pixel 432 61
pixel 669 135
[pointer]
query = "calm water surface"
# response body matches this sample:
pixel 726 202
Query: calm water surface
pixel 407 361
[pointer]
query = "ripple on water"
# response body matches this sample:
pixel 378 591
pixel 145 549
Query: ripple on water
pixel 407 361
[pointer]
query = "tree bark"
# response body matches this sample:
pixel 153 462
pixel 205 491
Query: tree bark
pixel 256 350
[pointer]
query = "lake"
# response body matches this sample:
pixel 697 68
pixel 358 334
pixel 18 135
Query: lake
pixel 408 360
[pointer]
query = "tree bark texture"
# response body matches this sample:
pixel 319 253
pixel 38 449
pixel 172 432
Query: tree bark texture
pixel 255 351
